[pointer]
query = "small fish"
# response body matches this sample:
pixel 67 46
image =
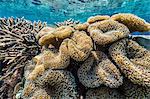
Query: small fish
pixel 36 2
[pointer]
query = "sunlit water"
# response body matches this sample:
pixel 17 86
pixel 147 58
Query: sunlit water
pixel 59 10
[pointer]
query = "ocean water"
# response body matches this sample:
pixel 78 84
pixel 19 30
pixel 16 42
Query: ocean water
pixel 59 10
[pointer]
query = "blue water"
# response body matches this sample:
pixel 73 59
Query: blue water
pixel 59 10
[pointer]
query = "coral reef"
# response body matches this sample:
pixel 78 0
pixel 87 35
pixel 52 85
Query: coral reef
pixel 97 18
pixel 51 59
pixel 133 60
pixel 103 93
pixel 57 36
pixel 69 22
pixel 98 70
pixel 133 22
pixel 134 91
pixel 107 31
pixel 17 45
pixel 57 84
pixel 80 46
pixel 74 60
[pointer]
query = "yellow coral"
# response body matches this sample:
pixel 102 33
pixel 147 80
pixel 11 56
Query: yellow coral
pixel 80 26
pixel 44 31
pixel 51 59
pixel 107 31
pixel 97 70
pixel 133 22
pixel 80 46
pixel 103 93
pixel 94 19
pixel 55 37
pixel 126 54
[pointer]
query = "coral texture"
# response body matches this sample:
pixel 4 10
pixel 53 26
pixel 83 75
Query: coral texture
pixel 57 84
pixel 97 18
pixel 18 44
pixel 80 46
pixel 133 60
pixel 103 93
pixel 133 22
pixel 81 27
pixel 51 59
pixel 134 91
pixel 97 70
pixel 57 36
pixel 107 31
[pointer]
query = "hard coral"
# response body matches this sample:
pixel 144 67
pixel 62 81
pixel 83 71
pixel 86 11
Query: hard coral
pixel 107 31
pixel 51 59
pixel 97 18
pixel 80 46
pixel 57 36
pixel 134 91
pixel 58 84
pixel 133 22
pixel 81 27
pixel 103 93
pixel 98 70
pixel 133 60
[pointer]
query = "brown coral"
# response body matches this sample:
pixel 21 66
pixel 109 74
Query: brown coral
pixel 57 36
pixel 81 27
pixel 58 84
pixel 133 22
pixel 97 70
pixel 94 19
pixel 134 91
pixel 133 60
pixel 51 59
pixel 103 93
pixel 107 31
pixel 80 46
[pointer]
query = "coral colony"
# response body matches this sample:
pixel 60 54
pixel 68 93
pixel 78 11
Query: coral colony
pixel 72 60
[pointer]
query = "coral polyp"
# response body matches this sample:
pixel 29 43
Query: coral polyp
pixel 133 22
pixel 133 60
pixel 98 70
pixel 107 31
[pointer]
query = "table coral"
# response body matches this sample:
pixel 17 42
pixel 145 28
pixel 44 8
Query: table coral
pixel 58 84
pixel 133 22
pixel 97 18
pixel 103 93
pixel 133 60
pixel 134 91
pixel 107 31
pixel 51 59
pixel 80 46
pixel 57 36
pixel 98 70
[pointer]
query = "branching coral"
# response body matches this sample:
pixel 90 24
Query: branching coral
pixel 56 37
pixel 107 31
pixel 69 22
pixel 134 91
pixel 80 46
pixel 58 84
pixel 133 22
pixel 133 60
pixel 103 93
pixel 97 18
pixel 51 59
pixel 17 45
pixel 97 70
